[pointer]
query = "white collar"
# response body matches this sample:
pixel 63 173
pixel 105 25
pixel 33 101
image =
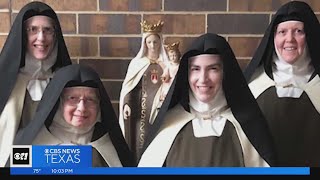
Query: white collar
pixel 208 121
pixel 39 72
pixel 289 78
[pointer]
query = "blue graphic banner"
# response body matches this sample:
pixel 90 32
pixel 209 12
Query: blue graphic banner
pixel 163 171
pixel 61 156
pixel 77 160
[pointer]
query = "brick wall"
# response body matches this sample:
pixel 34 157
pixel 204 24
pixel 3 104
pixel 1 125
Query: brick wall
pixel 105 34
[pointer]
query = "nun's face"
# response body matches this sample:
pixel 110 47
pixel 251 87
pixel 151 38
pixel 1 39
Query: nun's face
pixel 205 76
pixel 290 40
pixel 80 105
pixel 41 36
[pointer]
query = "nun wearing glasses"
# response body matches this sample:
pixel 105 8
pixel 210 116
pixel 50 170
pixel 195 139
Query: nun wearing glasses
pixel 33 51
pixel 76 110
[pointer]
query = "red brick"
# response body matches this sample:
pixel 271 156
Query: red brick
pixel 4 4
pixel 73 5
pixel 82 46
pixel 238 23
pixel 109 24
pixel 255 5
pixel 244 46
pixel 195 5
pixel 130 5
pixel 5 24
pixel 108 69
pixel 68 23
pixel 119 46
pixel 18 4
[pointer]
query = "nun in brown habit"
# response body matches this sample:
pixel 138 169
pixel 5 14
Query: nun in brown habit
pixel 284 78
pixel 76 110
pixel 33 51
pixel 209 118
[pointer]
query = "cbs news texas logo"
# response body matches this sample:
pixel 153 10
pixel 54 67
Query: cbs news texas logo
pixel 21 156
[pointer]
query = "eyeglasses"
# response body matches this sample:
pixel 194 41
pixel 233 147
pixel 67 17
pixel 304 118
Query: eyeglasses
pixel 74 101
pixel 33 30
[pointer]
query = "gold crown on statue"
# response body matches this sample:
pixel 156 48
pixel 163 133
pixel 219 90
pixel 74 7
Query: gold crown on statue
pixel 173 46
pixel 154 28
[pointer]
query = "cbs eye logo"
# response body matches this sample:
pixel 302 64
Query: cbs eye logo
pixel 21 156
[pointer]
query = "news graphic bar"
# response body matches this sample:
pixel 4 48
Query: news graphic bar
pixel 163 171
pixel 77 160
pixel 43 156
